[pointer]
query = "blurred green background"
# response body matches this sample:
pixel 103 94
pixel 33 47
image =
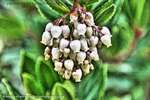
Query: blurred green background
pixel 125 72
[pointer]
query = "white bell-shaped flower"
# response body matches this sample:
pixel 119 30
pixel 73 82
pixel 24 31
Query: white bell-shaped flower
pixel 77 75
pixel 94 54
pixel 75 45
pixel 67 74
pixel 84 44
pixel 46 37
pixel 106 40
pixel 69 64
pixel 55 53
pixel 89 19
pixel 81 29
pixel 105 31
pixel 94 41
pixel 56 31
pixel 66 31
pixel 48 27
pixel 81 57
pixel 63 44
pixel 58 66
pixel 89 31
pixel 66 52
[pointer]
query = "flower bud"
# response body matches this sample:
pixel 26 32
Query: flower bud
pixel 106 40
pixel 81 28
pixel 66 52
pixel 89 31
pixel 47 53
pixel 86 68
pixel 46 38
pixel 58 66
pixel 67 74
pixel 75 45
pixel 48 27
pixel 75 34
pixel 94 55
pixel 72 55
pixel 77 75
pixel 66 31
pixel 63 44
pixel 89 19
pixel 56 31
pixel 81 57
pixel 69 64
pixel 84 44
pixel 105 31
pixel 55 53
pixel 94 41
pixel 92 66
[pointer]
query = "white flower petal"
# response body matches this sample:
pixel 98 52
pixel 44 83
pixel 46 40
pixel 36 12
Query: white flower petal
pixel 75 45
pixel 56 31
pixel 46 38
pixel 69 64
pixel 106 40
pixel 66 31
pixel 81 57
pixel 81 28
pixel 48 27
pixel 77 75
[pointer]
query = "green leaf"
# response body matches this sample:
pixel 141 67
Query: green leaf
pixel 9 89
pixel 45 73
pixel 59 6
pixel 11 26
pixel 65 91
pixel 104 13
pixel 27 63
pixel 31 85
pixel 94 84
pixel 45 10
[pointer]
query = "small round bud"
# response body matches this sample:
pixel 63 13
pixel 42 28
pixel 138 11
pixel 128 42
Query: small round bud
pixel 94 41
pixel 75 45
pixel 66 31
pixel 48 27
pixel 46 38
pixel 63 44
pixel 86 68
pixel 92 66
pixel 106 40
pixel 81 57
pixel 66 52
pixel 58 66
pixel 56 31
pixel 77 75
pixel 81 28
pixel 89 31
pixel 84 44
pixel 55 53
pixel 69 64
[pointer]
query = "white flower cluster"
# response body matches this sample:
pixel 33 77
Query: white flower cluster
pixel 72 47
